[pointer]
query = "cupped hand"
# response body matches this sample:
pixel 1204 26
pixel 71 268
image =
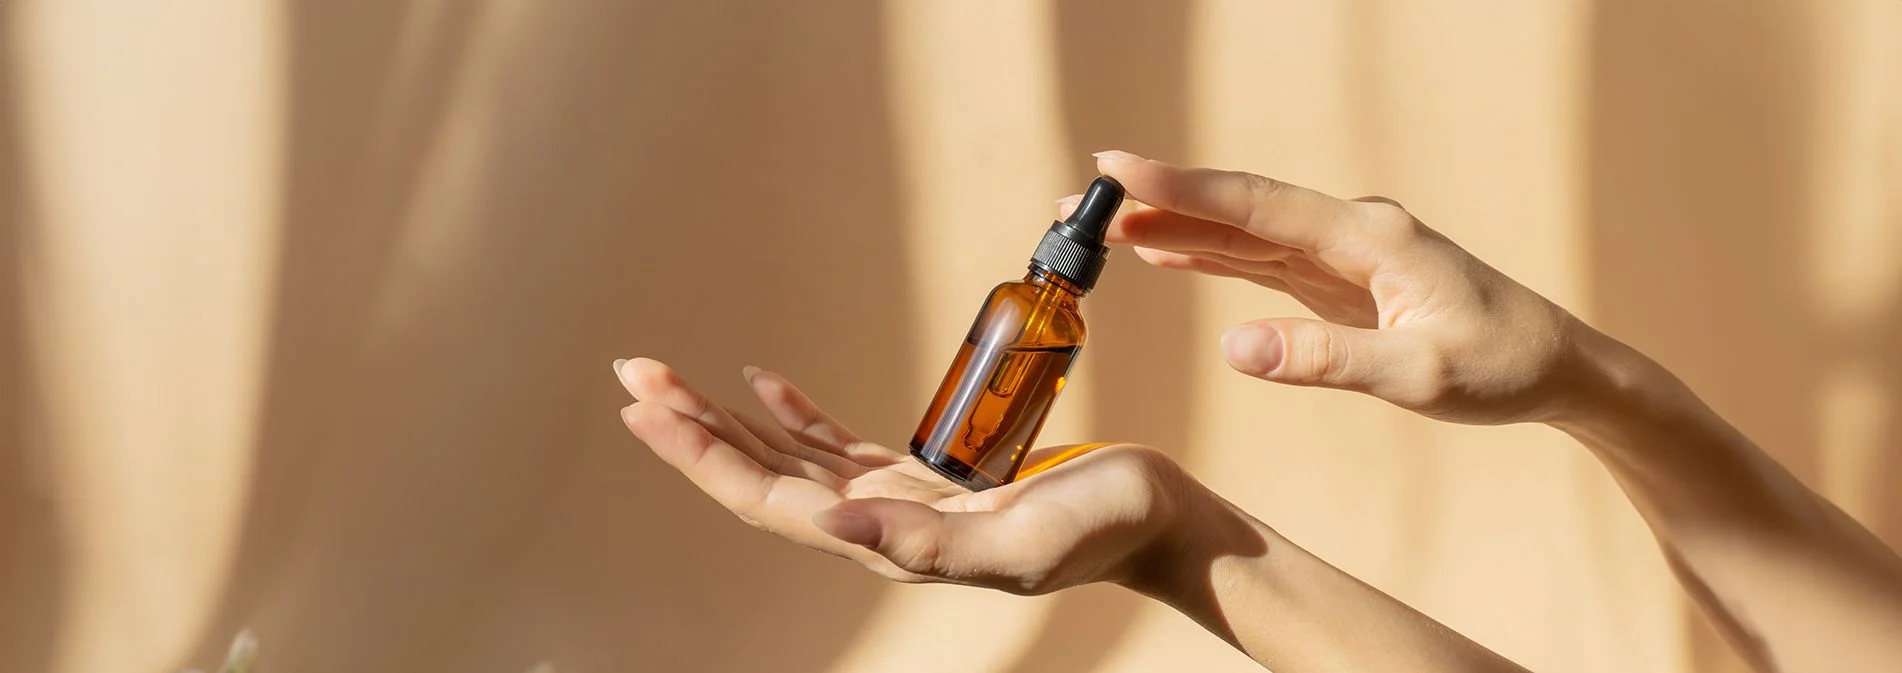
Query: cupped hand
pixel 805 477
pixel 1406 315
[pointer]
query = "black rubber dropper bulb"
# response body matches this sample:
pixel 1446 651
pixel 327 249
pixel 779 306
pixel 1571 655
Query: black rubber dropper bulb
pixel 1073 248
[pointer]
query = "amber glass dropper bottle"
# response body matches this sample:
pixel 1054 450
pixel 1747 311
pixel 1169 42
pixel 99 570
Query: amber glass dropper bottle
pixel 1002 383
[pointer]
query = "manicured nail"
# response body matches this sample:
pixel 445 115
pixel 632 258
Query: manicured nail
pixel 749 371
pixel 1117 155
pixel 1067 205
pixel 617 367
pixel 851 527
pixel 1253 350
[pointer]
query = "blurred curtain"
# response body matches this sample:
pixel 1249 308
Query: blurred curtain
pixel 306 307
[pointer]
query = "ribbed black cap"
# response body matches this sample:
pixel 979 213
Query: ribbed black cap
pixel 1074 247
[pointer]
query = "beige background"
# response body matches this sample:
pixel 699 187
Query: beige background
pixel 306 307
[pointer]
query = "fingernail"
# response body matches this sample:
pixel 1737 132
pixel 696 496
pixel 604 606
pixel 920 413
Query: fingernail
pixel 617 367
pixel 1252 350
pixel 1067 205
pixel 748 372
pixel 851 527
pixel 1117 155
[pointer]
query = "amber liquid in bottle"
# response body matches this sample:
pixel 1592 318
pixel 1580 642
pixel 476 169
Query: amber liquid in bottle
pixel 1000 387
pixel 992 403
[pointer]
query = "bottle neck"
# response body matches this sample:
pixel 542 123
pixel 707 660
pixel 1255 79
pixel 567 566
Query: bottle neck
pixel 1050 281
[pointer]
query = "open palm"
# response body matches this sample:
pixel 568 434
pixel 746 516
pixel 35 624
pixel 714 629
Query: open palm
pixel 809 479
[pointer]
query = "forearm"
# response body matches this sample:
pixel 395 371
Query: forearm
pixel 1290 610
pixel 1795 584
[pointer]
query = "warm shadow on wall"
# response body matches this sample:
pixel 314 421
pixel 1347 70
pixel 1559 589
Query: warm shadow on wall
pixel 485 205
pixel 30 547
pixel 1876 343
pixel 1697 241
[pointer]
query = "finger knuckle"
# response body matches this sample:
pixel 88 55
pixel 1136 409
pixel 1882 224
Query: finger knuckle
pixel 694 405
pixel 691 435
pixel 695 441
pixel 1429 386
pixel 1169 194
pixel 920 555
pixel 650 375
pixel 1263 191
pixel 775 391
pixel 1381 199
pixel 1035 580
pixel 1262 187
pixel 776 462
pixel 1317 359
pixel 1386 220
pixel 810 418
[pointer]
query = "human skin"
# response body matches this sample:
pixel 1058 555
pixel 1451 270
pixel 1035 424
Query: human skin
pixel 1405 315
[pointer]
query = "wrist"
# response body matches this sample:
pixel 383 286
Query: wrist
pixel 1679 461
pixel 1614 388
pixel 1204 533
pixel 1286 608
pixel 1671 453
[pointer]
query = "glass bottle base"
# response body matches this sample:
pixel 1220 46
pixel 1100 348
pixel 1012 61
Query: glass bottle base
pixel 955 470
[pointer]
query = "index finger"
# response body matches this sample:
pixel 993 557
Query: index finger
pixel 1273 210
pixel 775 502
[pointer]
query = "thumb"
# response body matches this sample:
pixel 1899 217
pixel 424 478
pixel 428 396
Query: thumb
pixel 1313 353
pixel 915 537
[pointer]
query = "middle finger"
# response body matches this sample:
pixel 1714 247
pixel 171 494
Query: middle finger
pixel 650 381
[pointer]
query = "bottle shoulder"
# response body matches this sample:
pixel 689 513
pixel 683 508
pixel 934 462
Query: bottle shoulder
pixel 1028 315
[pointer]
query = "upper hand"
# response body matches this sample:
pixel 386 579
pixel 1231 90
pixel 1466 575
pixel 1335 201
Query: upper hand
pixel 809 479
pixel 1407 315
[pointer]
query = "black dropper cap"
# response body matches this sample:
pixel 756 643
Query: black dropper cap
pixel 1074 247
